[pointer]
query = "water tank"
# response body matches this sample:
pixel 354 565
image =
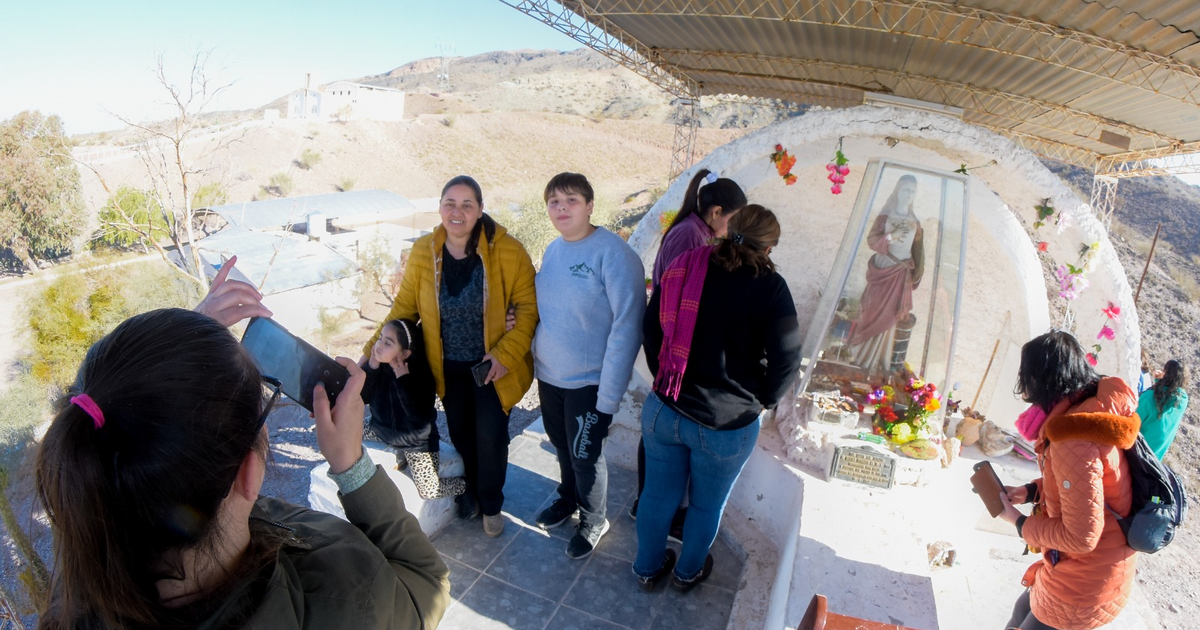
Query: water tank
pixel 316 226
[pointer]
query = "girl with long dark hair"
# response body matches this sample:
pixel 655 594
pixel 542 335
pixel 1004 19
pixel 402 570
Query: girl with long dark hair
pixel 1161 407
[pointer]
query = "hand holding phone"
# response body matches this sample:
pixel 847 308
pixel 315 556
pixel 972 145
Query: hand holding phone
pixel 339 430
pixel 294 362
pixel 988 486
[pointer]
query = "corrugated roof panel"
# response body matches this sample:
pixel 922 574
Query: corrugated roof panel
pixel 285 261
pixel 278 213
pixel 1058 56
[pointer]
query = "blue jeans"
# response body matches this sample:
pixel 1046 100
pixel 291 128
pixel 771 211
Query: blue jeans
pixel 675 448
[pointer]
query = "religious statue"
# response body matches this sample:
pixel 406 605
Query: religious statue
pixel 879 339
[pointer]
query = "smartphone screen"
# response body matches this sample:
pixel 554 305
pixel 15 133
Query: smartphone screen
pixel 294 362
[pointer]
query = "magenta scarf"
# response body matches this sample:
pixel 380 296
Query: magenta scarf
pixel 1030 422
pixel 679 303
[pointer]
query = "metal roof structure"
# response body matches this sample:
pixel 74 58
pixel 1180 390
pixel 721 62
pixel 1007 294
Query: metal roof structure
pixel 275 262
pixel 293 211
pixel 1109 85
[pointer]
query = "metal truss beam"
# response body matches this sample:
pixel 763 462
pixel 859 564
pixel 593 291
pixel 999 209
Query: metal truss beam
pixel 1019 109
pixel 578 22
pixel 947 22
pixel 1185 160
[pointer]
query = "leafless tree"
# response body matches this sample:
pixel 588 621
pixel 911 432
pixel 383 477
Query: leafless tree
pixel 175 161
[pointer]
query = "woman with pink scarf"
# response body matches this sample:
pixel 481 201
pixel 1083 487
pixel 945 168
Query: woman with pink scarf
pixel 722 340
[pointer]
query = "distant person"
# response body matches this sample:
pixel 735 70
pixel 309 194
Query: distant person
pixel 1145 378
pixel 459 283
pixel 723 342
pixel 150 475
pixel 591 298
pixel 1081 422
pixel 1161 407
pixel 708 204
pixel 399 387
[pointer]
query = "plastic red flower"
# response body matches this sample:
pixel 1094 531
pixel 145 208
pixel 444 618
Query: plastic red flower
pixel 1091 358
pixel 783 164
pixel 1043 246
pixel 1113 312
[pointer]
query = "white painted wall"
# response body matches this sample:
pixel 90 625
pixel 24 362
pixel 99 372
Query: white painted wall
pixel 1004 273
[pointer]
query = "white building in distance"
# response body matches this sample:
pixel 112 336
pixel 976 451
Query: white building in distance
pixel 344 100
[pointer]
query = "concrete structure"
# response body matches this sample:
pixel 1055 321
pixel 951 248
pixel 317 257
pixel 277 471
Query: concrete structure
pixel 344 100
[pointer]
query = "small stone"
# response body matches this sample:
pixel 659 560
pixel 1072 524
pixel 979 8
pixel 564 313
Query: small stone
pixel 1173 608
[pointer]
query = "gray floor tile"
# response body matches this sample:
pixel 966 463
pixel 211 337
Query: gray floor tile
pixel 492 605
pixel 727 566
pixel 462 577
pixel 607 590
pixel 702 608
pixel 571 619
pixel 621 539
pixel 537 457
pixel 622 487
pixel 465 542
pixel 537 563
pixel 525 492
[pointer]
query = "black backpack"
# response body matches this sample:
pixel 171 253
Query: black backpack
pixel 1159 501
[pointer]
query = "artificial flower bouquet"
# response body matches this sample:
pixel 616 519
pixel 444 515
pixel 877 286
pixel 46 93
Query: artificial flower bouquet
pixel 903 415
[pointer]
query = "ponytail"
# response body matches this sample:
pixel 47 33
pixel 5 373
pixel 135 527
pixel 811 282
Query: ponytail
pixel 752 231
pixel 722 192
pixel 180 401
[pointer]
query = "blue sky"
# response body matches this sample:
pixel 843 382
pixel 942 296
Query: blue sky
pixel 80 58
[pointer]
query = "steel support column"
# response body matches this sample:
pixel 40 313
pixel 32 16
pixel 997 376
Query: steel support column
pixel 684 146
pixel 1104 198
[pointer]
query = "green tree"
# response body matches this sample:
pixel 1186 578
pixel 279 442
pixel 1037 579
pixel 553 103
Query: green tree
pixel 133 217
pixel 41 206
pixel 210 195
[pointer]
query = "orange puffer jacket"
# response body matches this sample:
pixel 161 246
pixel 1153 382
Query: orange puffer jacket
pixel 1081 455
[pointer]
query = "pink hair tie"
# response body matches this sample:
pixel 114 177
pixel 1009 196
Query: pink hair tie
pixel 85 402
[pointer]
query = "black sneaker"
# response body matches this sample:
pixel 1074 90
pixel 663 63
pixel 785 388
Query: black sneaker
pixel 647 584
pixel 585 540
pixel 676 534
pixel 684 586
pixel 468 507
pixel 633 510
pixel 557 514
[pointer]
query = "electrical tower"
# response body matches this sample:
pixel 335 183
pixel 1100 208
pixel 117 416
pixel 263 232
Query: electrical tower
pixel 445 51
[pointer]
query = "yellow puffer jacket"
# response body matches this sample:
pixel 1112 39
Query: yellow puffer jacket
pixel 508 280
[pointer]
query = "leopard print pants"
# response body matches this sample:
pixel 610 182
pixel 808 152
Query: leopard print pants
pixel 423 467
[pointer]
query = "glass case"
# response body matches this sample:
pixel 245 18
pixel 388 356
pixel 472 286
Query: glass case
pixel 890 307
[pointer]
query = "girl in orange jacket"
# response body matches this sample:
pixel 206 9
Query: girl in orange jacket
pixel 1081 423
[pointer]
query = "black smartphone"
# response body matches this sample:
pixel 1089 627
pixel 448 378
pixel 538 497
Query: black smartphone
pixel 294 362
pixel 480 371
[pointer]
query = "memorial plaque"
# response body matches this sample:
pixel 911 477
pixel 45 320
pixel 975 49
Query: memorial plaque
pixel 865 465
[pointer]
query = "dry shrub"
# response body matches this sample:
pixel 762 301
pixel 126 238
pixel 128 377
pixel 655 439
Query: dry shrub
pixel 1187 283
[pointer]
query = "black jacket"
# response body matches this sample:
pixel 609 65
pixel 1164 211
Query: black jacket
pixel 745 348
pixel 402 412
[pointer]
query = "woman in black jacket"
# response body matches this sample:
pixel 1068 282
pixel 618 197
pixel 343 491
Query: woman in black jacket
pixel 722 340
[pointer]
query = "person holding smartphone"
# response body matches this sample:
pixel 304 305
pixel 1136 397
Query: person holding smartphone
pixel 593 295
pixel 150 475
pixel 1081 424
pixel 460 282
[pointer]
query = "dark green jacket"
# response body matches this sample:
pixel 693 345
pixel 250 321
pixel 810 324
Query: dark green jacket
pixel 377 571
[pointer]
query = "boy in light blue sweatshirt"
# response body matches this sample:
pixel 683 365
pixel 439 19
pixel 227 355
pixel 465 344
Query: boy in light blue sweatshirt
pixel 591 297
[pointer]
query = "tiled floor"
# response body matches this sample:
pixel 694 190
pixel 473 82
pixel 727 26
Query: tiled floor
pixel 524 580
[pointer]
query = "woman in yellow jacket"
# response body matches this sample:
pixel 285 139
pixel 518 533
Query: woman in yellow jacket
pixel 460 282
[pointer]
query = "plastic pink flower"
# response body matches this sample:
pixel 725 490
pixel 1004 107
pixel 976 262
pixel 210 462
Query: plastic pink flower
pixel 836 189
pixel 1107 333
